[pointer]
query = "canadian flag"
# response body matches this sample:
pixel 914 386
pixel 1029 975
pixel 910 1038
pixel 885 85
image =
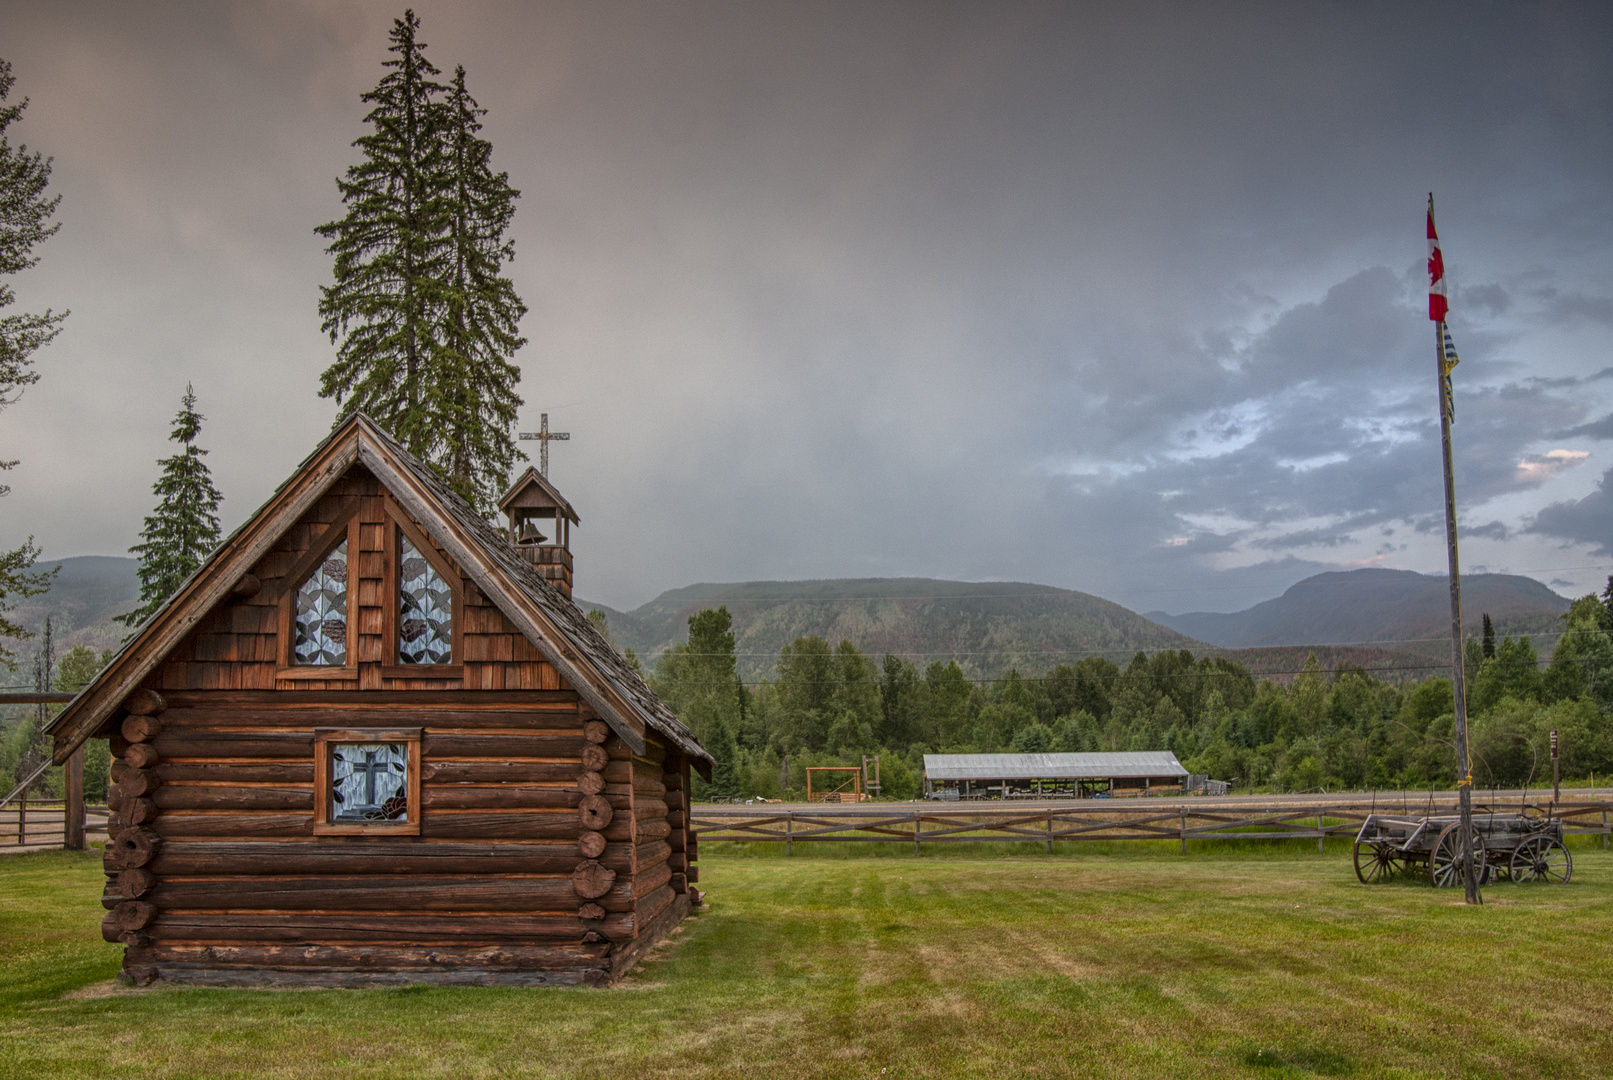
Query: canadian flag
pixel 1437 307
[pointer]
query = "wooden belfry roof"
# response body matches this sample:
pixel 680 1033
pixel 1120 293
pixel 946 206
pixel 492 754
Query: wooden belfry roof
pixel 532 488
pixel 554 625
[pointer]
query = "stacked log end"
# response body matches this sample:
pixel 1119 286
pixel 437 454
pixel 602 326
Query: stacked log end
pixel 131 844
pixel 592 880
pixel 681 835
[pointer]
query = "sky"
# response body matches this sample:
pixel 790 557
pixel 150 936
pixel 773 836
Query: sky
pixel 1126 298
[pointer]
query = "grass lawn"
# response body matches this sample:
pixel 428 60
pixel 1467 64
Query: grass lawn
pixel 1115 962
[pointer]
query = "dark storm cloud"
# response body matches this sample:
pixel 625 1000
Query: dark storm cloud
pixel 1125 298
pixel 1585 521
pixel 1596 429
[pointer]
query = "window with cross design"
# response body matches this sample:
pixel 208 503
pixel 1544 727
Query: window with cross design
pixel 367 780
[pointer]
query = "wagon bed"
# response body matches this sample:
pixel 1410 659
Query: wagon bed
pixel 1517 846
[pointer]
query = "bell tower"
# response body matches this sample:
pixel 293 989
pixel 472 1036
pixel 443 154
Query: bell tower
pixel 532 504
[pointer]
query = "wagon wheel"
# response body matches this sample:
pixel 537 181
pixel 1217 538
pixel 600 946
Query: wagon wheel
pixel 1376 863
pixel 1541 858
pixel 1444 862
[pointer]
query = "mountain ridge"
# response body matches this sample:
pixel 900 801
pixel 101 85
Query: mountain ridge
pixel 986 626
pixel 1376 606
pixel 1394 619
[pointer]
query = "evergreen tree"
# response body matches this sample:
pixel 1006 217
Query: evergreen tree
pixel 25 214
pixel 1489 637
pixel 391 259
pixel 426 320
pixel 700 680
pixel 184 530
pixel 725 783
pixel 474 390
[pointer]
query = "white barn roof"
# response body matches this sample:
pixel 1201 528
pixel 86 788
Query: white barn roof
pixel 1051 766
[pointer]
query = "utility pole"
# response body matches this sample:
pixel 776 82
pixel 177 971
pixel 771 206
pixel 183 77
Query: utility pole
pixel 1555 776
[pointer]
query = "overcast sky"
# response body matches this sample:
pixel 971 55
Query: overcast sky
pixel 1122 298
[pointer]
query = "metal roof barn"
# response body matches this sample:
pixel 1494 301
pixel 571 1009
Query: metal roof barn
pixel 1151 763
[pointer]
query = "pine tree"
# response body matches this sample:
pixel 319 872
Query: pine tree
pixel 479 332
pixel 428 324
pixel 24 222
pixel 184 530
pixel 725 782
pixel 1489 637
pixel 390 250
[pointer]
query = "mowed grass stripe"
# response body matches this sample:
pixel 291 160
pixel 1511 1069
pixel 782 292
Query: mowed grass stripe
pixel 1112 963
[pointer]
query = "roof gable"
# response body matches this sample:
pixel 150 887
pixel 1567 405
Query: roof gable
pixel 555 626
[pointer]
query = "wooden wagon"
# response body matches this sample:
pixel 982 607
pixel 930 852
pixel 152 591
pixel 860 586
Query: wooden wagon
pixel 1518 846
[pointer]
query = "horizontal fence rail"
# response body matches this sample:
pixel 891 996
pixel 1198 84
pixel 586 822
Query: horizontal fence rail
pixel 43 823
pixel 1205 820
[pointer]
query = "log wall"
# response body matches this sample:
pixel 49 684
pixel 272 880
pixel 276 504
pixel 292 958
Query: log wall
pixel 543 852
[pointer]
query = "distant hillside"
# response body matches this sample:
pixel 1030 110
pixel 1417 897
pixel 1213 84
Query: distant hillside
pixel 1407 609
pixel 87 592
pixel 985 626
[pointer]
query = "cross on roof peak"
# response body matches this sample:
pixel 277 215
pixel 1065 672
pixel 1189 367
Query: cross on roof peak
pixel 544 437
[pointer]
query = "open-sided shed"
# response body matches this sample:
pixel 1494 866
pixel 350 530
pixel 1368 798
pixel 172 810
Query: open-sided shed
pixel 368 742
pixel 1051 775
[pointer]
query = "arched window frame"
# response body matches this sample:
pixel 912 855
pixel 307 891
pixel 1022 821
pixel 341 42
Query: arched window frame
pixel 400 525
pixel 346 527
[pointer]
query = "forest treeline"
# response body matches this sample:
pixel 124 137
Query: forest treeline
pixel 1340 729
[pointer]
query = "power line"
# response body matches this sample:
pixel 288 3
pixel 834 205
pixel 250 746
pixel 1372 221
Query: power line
pixel 1123 676
pixel 1214 651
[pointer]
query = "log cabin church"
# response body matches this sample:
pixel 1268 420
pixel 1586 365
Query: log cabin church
pixel 373 741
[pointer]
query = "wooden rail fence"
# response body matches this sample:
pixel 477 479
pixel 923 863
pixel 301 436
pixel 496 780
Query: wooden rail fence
pixel 35 823
pixel 920 825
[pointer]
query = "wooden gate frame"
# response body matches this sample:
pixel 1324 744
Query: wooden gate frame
pixel 855 782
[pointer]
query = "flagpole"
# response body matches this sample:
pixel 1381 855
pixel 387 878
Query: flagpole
pixel 1464 779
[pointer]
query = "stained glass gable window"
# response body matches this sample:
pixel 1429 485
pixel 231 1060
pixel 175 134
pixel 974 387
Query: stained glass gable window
pixel 369 782
pixel 425 610
pixel 321 616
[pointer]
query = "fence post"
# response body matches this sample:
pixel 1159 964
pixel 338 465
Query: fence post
pixel 1050 832
pixel 918 827
pixel 22 820
pixel 73 807
pixel 789 832
pixel 1321 837
pixel 1184 832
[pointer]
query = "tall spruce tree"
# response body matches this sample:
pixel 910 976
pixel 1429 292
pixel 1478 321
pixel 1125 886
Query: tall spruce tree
pixel 426 321
pixel 475 383
pixel 390 255
pixel 25 213
pixel 184 530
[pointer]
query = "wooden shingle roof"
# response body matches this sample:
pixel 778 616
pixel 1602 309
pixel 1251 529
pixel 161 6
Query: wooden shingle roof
pixel 555 626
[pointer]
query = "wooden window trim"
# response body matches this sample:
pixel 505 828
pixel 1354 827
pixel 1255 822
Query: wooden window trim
pixel 323 738
pixel 392 668
pixel 345 526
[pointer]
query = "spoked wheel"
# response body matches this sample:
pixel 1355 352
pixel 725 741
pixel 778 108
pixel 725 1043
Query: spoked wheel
pixel 1444 862
pixel 1541 858
pixel 1376 863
